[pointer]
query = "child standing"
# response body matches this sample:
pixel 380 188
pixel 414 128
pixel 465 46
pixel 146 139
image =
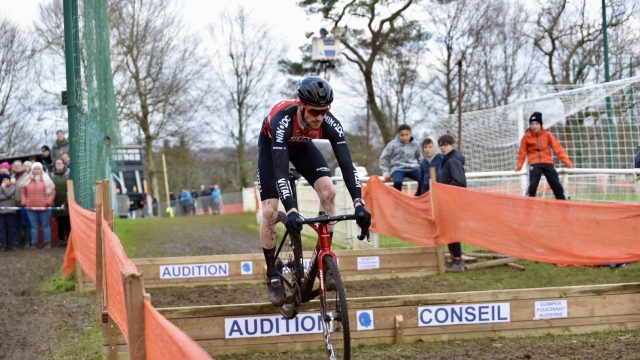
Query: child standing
pixel 452 174
pixel 430 160
pixel 401 158
pixel 536 145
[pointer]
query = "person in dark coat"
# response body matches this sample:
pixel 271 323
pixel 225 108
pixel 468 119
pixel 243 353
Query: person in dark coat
pixel 430 159
pixel 452 174
pixel 60 176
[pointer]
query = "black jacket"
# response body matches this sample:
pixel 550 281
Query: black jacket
pixel 453 170
pixel 638 157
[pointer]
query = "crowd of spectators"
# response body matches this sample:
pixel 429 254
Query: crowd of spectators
pixel 31 191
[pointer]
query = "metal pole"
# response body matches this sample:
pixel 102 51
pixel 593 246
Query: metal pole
pixel 605 44
pixel 460 103
pixel 71 55
pixel 166 186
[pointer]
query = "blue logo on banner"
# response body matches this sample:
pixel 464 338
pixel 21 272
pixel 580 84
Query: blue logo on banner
pixel 365 319
pixel 246 267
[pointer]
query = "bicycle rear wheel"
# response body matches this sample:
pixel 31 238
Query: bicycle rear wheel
pixel 291 269
pixel 335 314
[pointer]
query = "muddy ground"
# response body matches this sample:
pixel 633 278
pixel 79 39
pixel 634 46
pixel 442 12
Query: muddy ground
pixel 43 325
pixel 33 322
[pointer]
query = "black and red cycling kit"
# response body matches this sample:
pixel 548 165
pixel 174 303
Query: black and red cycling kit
pixel 282 139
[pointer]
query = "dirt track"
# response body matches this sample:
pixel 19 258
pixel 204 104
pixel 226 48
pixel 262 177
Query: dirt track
pixel 33 324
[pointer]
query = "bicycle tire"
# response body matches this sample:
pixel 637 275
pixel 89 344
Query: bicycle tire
pixel 290 265
pixel 335 314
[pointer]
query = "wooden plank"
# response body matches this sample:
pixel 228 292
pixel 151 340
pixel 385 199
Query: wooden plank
pixel 100 301
pixel 490 263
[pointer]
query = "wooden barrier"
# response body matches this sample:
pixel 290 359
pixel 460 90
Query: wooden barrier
pixel 398 319
pixel 364 264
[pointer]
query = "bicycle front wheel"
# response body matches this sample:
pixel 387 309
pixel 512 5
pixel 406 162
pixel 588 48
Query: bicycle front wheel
pixel 335 314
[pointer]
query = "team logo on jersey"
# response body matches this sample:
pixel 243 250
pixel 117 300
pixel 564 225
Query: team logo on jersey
pixel 282 127
pixel 300 139
pixel 335 125
pixel 355 175
pixel 283 188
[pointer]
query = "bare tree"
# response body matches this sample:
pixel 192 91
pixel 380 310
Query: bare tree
pixel 15 60
pixel 569 35
pixel 384 22
pixel 157 73
pixel 246 70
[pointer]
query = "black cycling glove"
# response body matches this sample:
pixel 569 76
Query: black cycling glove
pixel 294 223
pixel 363 219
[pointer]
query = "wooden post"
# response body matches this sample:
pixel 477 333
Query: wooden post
pixel 100 304
pixel 107 211
pixel 398 325
pixel 112 339
pixel 134 301
pixel 439 254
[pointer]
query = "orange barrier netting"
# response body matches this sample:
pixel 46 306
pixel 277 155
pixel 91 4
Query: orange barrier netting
pixel 552 231
pixel 82 241
pixel 116 263
pixel 163 340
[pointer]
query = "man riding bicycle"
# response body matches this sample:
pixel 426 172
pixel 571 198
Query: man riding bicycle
pixel 286 136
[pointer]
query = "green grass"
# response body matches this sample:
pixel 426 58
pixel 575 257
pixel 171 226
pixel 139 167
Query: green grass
pixel 134 234
pixel 608 197
pixel 84 345
pixel 56 284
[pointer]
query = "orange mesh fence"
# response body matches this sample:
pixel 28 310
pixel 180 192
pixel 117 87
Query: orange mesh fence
pixel 559 232
pixel 163 340
pixel 116 262
pixel 230 209
pixel 82 241
pixel 552 231
pixel 398 214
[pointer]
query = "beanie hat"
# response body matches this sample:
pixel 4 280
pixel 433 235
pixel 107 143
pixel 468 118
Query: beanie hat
pixel 536 116
pixel 5 165
pixel 4 176
pixel 45 147
pixel 36 165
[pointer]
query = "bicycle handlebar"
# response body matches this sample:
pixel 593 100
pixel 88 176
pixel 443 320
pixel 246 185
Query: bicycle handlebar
pixel 325 219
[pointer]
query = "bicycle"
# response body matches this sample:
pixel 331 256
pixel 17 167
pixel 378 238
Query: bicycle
pixel 298 284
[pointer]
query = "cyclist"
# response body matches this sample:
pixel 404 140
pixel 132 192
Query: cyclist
pixel 286 136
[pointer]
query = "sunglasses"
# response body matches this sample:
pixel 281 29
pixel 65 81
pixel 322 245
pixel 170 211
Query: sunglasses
pixel 317 112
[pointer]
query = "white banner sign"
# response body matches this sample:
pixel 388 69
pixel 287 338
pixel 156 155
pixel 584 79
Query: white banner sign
pixel 550 309
pixel 185 271
pixel 261 326
pixel 368 262
pixel 464 314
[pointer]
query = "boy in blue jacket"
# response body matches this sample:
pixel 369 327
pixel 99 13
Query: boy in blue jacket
pixel 430 160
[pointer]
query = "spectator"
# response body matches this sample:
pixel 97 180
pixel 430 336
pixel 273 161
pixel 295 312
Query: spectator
pixel 8 217
pixel 21 174
pixel 5 168
pixel 46 160
pixel 638 157
pixel 185 200
pixel 205 199
pixel 16 170
pixel 172 202
pixel 401 158
pixel 216 198
pixel 194 200
pixel 536 145
pixel 430 160
pixel 60 176
pixel 452 174
pixel 37 194
pixel 60 146
pixel 66 159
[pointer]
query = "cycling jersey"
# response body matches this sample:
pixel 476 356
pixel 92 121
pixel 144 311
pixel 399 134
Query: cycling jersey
pixel 282 139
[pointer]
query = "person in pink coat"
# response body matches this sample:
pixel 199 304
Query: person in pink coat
pixel 37 195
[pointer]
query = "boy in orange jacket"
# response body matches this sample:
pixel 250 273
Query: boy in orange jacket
pixel 536 144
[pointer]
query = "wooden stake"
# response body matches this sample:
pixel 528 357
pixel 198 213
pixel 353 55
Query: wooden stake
pixel 439 253
pixel 100 303
pixel 398 325
pixel 134 301
pixel 516 266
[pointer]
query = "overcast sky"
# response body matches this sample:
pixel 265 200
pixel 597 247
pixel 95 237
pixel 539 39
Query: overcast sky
pixel 289 22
